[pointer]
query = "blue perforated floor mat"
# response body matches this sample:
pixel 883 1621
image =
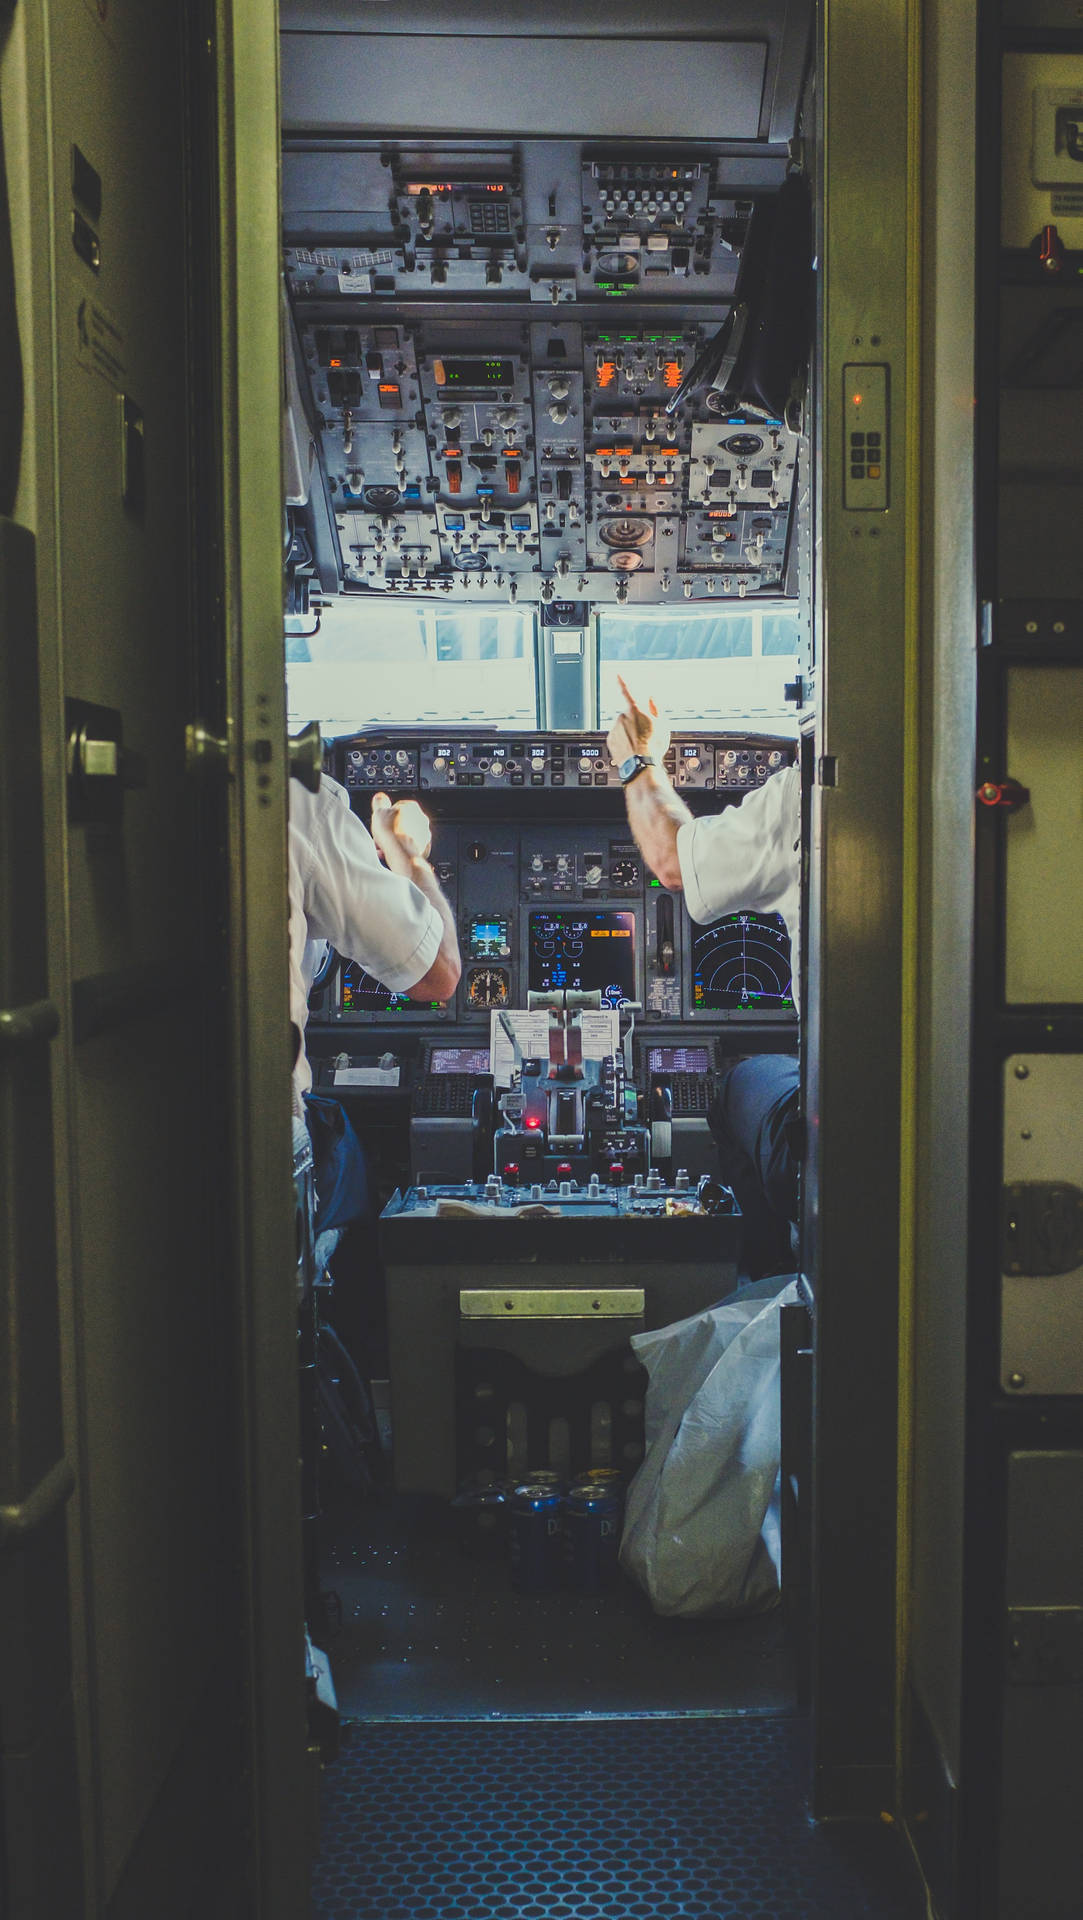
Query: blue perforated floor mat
pixel 655 1819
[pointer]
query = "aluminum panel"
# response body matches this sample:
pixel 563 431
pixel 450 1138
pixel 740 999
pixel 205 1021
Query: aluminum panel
pixel 1041 1335
pixel 542 86
pixel 1044 840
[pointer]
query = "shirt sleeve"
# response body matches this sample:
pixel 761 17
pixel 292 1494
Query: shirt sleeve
pixel 745 856
pixel 371 915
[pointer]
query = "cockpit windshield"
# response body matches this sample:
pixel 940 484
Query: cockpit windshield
pixel 367 661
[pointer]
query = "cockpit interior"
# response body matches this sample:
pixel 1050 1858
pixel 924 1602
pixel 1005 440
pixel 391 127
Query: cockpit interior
pixel 549 426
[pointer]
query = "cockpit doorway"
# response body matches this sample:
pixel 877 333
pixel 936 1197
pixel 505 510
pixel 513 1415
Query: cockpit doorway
pixel 520 462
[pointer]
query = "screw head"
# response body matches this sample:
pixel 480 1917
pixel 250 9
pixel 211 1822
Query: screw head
pixel 1022 1072
pixel 1017 1380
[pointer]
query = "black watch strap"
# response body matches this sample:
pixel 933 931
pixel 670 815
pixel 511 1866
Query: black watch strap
pixel 633 765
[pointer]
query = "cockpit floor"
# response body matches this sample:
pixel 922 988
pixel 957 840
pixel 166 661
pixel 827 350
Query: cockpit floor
pixel 657 1819
pixel 418 1629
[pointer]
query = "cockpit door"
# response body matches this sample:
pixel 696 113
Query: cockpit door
pixel 153 1747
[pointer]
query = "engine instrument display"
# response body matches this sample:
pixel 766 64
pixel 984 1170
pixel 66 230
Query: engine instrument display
pixel 585 952
pixel 741 963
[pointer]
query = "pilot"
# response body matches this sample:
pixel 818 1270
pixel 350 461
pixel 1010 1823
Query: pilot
pixel 372 896
pixel 748 856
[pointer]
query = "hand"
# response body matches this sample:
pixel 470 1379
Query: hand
pixel 404 828
pixel 635 731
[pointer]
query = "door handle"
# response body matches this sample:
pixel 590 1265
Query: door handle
pixel 24 1517
pixel 101 769
pixel 22 1026
pixel 205 752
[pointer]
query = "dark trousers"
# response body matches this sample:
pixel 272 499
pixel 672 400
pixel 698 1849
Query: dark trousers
pixel 756 1123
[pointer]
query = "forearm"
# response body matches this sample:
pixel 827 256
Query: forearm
pixel 423 877
pixel 656 815
pixel 442 977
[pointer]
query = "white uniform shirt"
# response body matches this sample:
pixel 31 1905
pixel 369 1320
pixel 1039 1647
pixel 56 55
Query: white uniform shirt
pixel 340 892
pixel 748 856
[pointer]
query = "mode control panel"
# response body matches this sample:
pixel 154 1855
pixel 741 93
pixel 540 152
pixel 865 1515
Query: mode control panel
pixel 550 762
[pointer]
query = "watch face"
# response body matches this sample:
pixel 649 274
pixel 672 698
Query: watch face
pixel 628 767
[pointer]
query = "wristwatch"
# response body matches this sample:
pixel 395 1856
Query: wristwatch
pixel 635 763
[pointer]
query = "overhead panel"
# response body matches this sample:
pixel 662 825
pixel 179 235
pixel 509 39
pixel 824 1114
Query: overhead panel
pixel 515 362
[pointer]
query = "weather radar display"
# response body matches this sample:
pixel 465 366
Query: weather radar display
pixel 741 964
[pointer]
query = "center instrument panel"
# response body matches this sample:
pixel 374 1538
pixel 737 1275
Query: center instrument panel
pixel 493 355
pixel 532 848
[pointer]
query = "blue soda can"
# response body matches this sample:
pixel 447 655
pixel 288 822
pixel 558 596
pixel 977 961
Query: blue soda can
pixel 535 1537
pixel 610 1477
pixel 592 1515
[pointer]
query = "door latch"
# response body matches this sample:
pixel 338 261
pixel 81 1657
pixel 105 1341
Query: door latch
pixel 101 769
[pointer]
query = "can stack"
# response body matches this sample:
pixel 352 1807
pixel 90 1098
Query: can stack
pixel 592 1519
pixel 565 1536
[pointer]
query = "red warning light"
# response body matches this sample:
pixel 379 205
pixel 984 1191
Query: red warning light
pixel 857 399
pixel 607 373
pixel 672 374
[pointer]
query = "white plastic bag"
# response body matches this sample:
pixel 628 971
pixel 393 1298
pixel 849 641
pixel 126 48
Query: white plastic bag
pixel 699 1536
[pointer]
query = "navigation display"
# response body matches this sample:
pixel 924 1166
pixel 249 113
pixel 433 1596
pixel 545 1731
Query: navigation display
pixel 361 992
pixel 585 952
pixel 741 964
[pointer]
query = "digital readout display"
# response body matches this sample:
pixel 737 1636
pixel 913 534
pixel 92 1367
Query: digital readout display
pixel 459 1060
pixel 440 188
pixel 678 1060
pixel 474 373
